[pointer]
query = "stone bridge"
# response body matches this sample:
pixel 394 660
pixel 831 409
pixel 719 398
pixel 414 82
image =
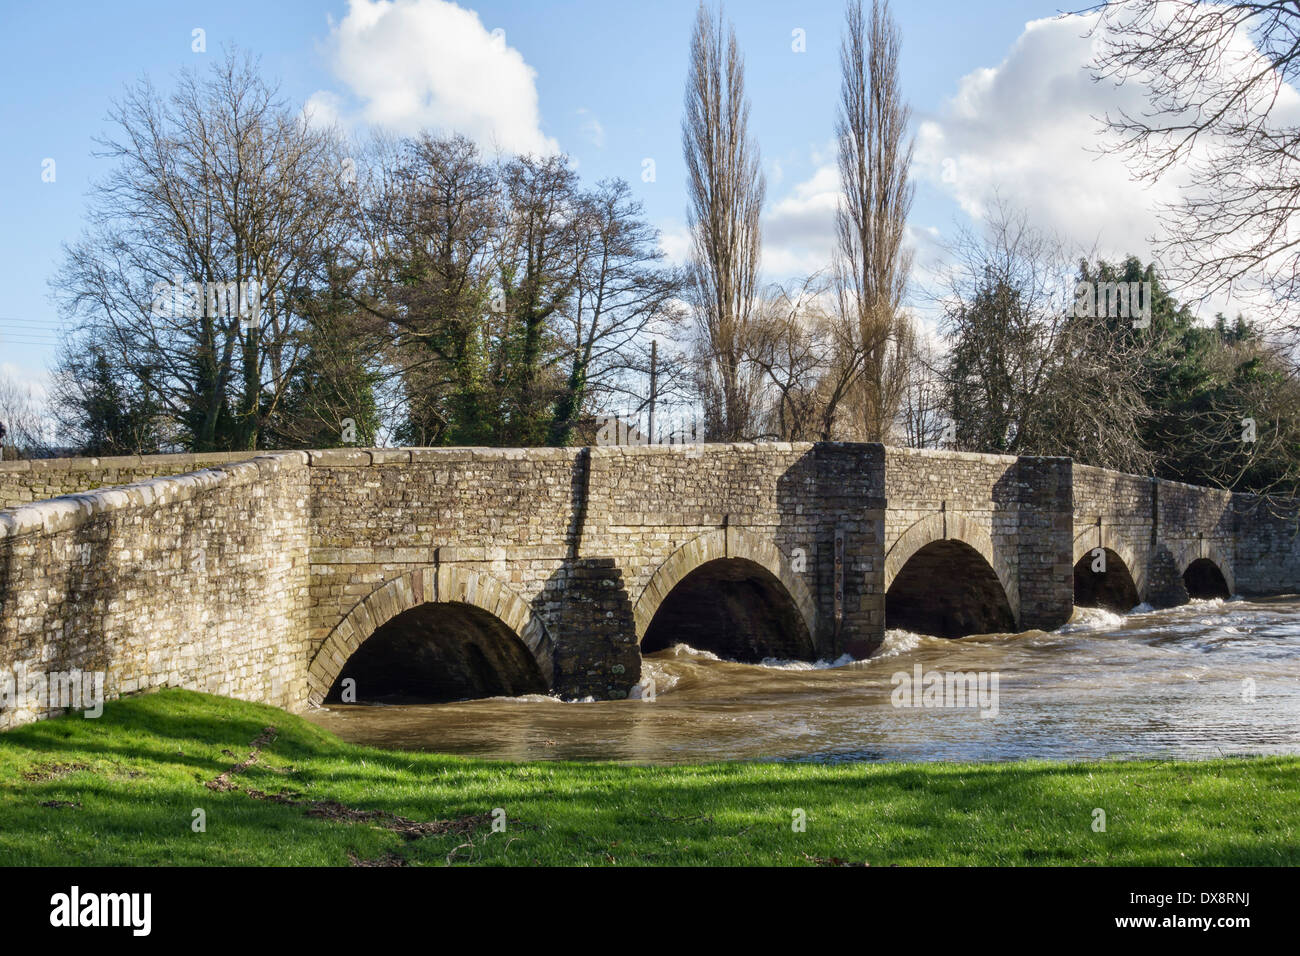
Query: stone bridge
pixel 461 572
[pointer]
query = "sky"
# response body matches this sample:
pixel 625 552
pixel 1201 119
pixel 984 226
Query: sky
pixel 1001 98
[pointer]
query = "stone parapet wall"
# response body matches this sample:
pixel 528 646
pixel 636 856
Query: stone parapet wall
pixel 22 482
pixel 196 581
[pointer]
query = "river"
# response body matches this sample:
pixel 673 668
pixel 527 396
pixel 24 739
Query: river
pixel 1210 678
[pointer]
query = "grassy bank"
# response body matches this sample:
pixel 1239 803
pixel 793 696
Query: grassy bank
pixel 124 788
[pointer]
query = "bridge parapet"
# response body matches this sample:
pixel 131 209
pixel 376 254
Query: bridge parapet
pixel 196 581
pixel 22 482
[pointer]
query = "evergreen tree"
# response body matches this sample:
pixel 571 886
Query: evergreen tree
pixel 105 413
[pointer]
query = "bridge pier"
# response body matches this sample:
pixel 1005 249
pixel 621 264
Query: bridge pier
pixel 596 652
pixel 850 501
pixel 1044 538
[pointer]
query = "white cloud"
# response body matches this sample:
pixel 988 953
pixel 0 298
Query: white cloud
pixel 415 64
pixel 592 128
pixel 799 229
pixel 26 381
pixel 1028 131
pixel 799 232
pixel 675 241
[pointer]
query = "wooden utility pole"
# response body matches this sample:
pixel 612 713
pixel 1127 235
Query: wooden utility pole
pixel 654 384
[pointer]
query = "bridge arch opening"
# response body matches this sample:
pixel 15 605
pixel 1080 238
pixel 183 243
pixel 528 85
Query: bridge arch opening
pixel 1203 579
pixel 440 651
pixel 1112 587
pixel 948 589
pixel 732 607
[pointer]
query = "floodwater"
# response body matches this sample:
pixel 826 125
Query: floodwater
pixel 1210 678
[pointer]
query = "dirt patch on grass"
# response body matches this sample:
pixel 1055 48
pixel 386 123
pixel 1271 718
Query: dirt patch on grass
pixel 52 771
pixel 332 810
pixel 222 783
pixel 411 829
pixel 388 859
pixel 832 861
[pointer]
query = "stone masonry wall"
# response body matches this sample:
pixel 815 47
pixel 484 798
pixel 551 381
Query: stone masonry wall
pixel 1022 506
pixel 1267 541
pixel 1159 527
pixel 196 581
pixel 554 525
pixel 1044 534
pixel 1120 505
pixel 646 502
pixel 1191 522
pixel 378 515
pixel 956 491
pixel 231 578
pixel 22 482
pixel 850 505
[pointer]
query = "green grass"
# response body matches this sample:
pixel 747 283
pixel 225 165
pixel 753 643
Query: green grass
pixel 135 776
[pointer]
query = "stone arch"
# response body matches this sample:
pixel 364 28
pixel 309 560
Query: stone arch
pixel 1088 539
pixel 1200 548
pixel 442 584
pixel 723 543
pixel 944 526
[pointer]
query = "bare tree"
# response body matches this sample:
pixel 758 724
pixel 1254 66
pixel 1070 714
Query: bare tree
pixel 24 432
pixel 872 264
pixel 218 216
pixel 624 297
pixel 922 414
pixel 1025 373
pixel 726 189
pixel 1219 82
pixel 808 361
pixel 789 343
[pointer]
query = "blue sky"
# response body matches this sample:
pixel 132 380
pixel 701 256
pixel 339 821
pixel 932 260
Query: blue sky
pixel 998 108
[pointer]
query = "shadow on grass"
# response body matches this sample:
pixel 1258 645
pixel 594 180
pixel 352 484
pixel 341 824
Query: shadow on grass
pixel 1229 812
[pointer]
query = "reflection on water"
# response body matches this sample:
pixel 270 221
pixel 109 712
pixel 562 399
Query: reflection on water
pixel 1174 683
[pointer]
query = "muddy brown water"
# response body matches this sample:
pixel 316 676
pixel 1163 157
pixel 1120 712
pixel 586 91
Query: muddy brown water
pixel 1206 679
